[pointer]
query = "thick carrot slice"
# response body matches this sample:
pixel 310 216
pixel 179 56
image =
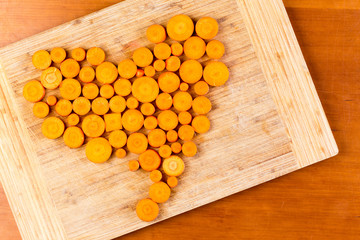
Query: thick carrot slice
pixel 189 149
pixel 122 87
pixel 81 106
pixel 121 153
pixel 95 56
pixel 149 71
pixel 78 54
pixel 112 121
pixel 155 176
pixel 162 51
pixel 184 118
pixel 133 165
pixel 145 89
pixel 169 82
pixel 182 101
pixel 186 132
pixel 127 68
pixel 106 72
pixel 52 127
pixel 33 91
pixel 172 182
pixel 184 87
pixel 73 137
pixel 117 138
pixel 140 73
pixel 201 105
pixel 51 78
pixel 63 107
pixel 191 71
pixel 173 166
pixel 172 64
pixel 201 124
pixel 216 73
pixel 215 49
pixel 107 91
pixel 165 151
pixel 159 65
pixel 98 150
pixel 70 89
pixel 58 55
pixel 90 91
pixel 70 68
pixel 117 104
pixel 41 109
pixel 132 103
pixel 207 28
pixel 176 147
pixel 137 143
pixel 93 126
pixel 164 101
pixel 149 160
pixel 194 48
pixel 132 120
pixel 156 33
pixel 100 106
pixel 147 210
pixel 150 123
pixel 201 88
pixel 177 49
pixel 142 57
pixel 157 138
pixel 51 100
pixel 147 109
pixel 159 192
pixel 180 27
pixel 172 136
pixel 167 120
pixel 41 59
pixel 73 119
pixel 87 74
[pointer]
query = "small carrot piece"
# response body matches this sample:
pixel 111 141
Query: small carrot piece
pixel 172 181
pixel 51 78
pixel 87 74
pixel 140 73
pixel 186 132
pixel 95 56
pixel 189 149
pixel 132 120
pixel 70 89
pixel 81 106
pixel 184 87
pixel 207 27
pixel 58 55
pixel 149 160
pixel 41 109
pixel 51 100
pixel 149 71
pixel 127 68
pixel 132 103
pixel 173 166
pixel 167 120
pixel 33 91
pixel 159 192
pixel 120 153
pixel 150 123
pixel 162 51
pixel 133 165
pixel 215 49
pixel 201 124
pixel 184 118
pixel 194 48
pixel 216 73
pixel 169 82
pixel 70 68
pixel 165 151
pixel 157 138
pixel 117 104
pixel 145 89
pixel 172 64
pixel 177 49
pixel 106 72
pixel 180 27
pixel 52 127
pixel 176 147
pixel 73 137
pixel 164 101
pixel 98 150
pixel 63 107
pixel 191 71
pixel 155 176
pixel 100 106
pixel 182 101
pixel 107 91
pixel 172 136
pixel 159 65
pixel 41 59
pixel 78 54
pixel 93 126
pixel 90 91
pixel 73 119
pixel 112 121
pixel 201 88
pixel 156 33
pixel 137 143
pixel 142 57
pixel 147 210
pixel 117 138
pixel 201 105
pixel 122 87
pixel 147 109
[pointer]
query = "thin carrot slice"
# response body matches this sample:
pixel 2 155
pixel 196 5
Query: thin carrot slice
pixel 201 124
pixel 147 109
pixel 70 68
pixel 95 56
pixel 173 166
pixel 58 55
pixel 184 87
pixel 52 127
pixel 93 125
pixel 51 100
pixel 73 137
pixel 117 138
pixel 63 107
pixel 189 149
pixel 186 132
pixel 164 101
pixel 41 59
pixel 147 210
pixel 122 87
pixel 133 165
pixel 51 78
pixel 150 123
pixel 182 101
pixel 177 49
pixel 98 150
pixel 78 54
pixel 184 118
pixel 33 91
pixel 159 192
pixel 207 28
pixel 81 106
pixel 176 147
pixel 172 181
pixel 142 57
pixel 216 73
pixel 107 91
pixel 172 64
pixel 157 138
pixel 155 176
pixel 41 109
pixel 127 68
pixel 145 89
pixel 162 51
pixel 106 72
pixel 137 143
pixel 100 106
pixel 167 120
pixel 172 136
pixel 73 119
pixel 121 153
pixel 140 73
pixel 201 105
pixel 149 160
pixel 201 88
pixel 112 121
pixel 191 71
pixel 156 33
pixel 132 120
pixel 194 48
pixel 165 151
pixel 169 82
pixel 159 65
pixel 70 89
pixel 117 104
pixel 90 91
pixel 149 71
pixel 180 27
pixel 215 49
pixel 87 74
pixel 132 103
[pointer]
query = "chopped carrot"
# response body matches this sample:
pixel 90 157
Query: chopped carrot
pixel 140 73
pixel 194 48
pixel 147 109
pixel 137 143
pixel 167 120
pixel 149 71
pixel 52 127
pixel 215 49
pixel 87 74
pixel 172 181
pixel 106 72
pixel 156 33
pixel 127 68
pixel 180 27
pixel 41 109
pixel 132 103
pixel 70 68
pixel 73 119
pixel 120 153
pixel 155 176
pixel 162 51
pixel 122 87
pixel 176 147
pixel 176 49
pixel 90 91
pixel 149 160
pixel 51 100
pixel 216 73
pixel 201 124
pixel 98 150
pixel 41 59
pixel 159 192
pixel 169 82
pixel 186 132
pixel 165 151
pixel 207 28
pixel 100 106
pixel 51 78
pixel 70 89
pixel 63 107
pixel 201 88
pixel 78 54
pixel 95 56
pixel 159 65
pixel 173 166
pixel 145 89
pixel 164 101
pixel 184 87
pixel 172 136
pixel 133 165
pixel 58 55
pixel 157 138
pixel 172 64
pixel 81 106
pixel 132 120
pixel 112 121
pixel 93 126
pixel 107 91
pixel 33 91
pixel 117 104
pixel 117 138
pixel 182 101
pixel 147 210
pixel 201 105
pixel 73 137
pixel 189 149
pixel 184 118
pixel 142 57
pixel 191 71
pixel 150 123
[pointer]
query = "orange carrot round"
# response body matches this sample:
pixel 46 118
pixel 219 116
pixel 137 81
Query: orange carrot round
pixel 201 124
pixel 186 132
pixel 132 103
pixel 207 28
pixel 191 71
pixel 157 138
pixel 184 87
pixel 78 54
pixel 95 56
pixel 215 49
pixel 159 65
pixel 107 91
pixel 87 74
pixel 150 123
pixel 182 101
pixel 176 147
pixel 120 153
pixel 100 106
pixel 169 82
pixel 165 151
pixel 156 33
pixel 117 138
pixel 112 121
pixel 142 57
pixel 216 73
pixel 201 105
pixel 159 192
pixel 122 87
pixel 201 88
pixel 90 91
pixel 106 72
pixel 172 136
pixel 176 49
pixel 93 126
pixel 145 89
pixel 70 89
pixel 147 109
pixel 140 73
pixel 98 150
pixel 162 51
pixel 63 107
pixel 73 119
pixel 51 78
pixel 133 165
pixel 33 91
pixel 137 143
pixel 73 137
pixel 81 106
pixel 167 120
pixel 41 109
pixel 194 48
pixel 147 210
pixel 127 68
pixel 173 166
pixel 58 55
pixel 155 176
pixel 184 118
pixel 189 149
pixel 164 101
pixel 41 59
pixel 172 64
pixel 149 71
pixel 149 160
pixel 51 100
pixel 172 182
pixel 132 120
pixel 117 104
pixel 70 68
pixel 52 127
pixel 180 27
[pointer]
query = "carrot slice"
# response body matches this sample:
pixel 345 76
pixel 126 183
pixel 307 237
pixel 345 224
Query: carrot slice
pixel 172 181
pixel 149 160
pixel 87 74
pixel 70 89
pixel 216 73
pixel 176 147
pixel 147 109
pixel 142 57
pixel 41 59
pixel 159 65
pixel 132 103
pixel 132 120
pixel 189 149
pixel 186 132
pixel 177 49
pixel 164 101
pixel 215 49
pixel 73 119
pixel 70 68
pixel 33 91
pixel 73 137
pixel 106 72
pixel 149 71
pixel 52 127
pixel 172 64
pixel 207 28
pixel 51 78
pixel 162 51
pixel 93 125
pixel 112 121
pixel 147 210
pixel 169 82
pixel 184 87
pixel 63 107
pixel 117 104
pixel 201 105
pixel 150 123
pixel 172 136
pixel 117 138
pixel 191 71
pixel 194 48
pixel 159 192
pixel 90 91
pixel 156 33
pixel 78 54
pixel 145 89
pixel 98 150
pixel 133 165
pixel 201 124
pixel 58 55
pixel 173 166
pixel 155 176
pixel 100 106
pixel 165 151
pixel 137 143
pixel 122 87
pixel 51 100
pixel 201 88
pixel 180 27
pixel 41 109
pixel 95 56
pixel 157 138
pixel 167 120
pixel 81 106
pixel 121 153
pixel 140 73
pixel 107 91
pixel 184 118
pixel 182 101
pixel 127 68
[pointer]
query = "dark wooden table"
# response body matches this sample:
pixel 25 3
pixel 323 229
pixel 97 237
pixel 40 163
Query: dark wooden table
pixel 319 202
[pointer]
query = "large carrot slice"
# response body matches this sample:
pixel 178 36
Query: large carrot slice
pixel 159 192
pixel 98 150
pixel 137 143
pixel 132 120
pixel 147 210
pixel 33 91
pixel 41 59
pixel 73 137
pixel 180 27
pixel 106 72
pixel 216 73
pixel 52 127
pixel 51 78
pixel 93 125
pixel 173 166
pixel 149 160
pixel 145 89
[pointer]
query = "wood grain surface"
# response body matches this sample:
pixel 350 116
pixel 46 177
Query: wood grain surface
pixel 325 204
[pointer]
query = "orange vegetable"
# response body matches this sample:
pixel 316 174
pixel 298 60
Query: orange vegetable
pixel 41 109
pixel 127 68
pixel 216 73
pixel 184 118
pixel 173 166
pixel 206 28
pixel 140 73
pixel 52 127
pixel 201 88
pixel 107 91
pixel 106 72
pixel 176 49
pixel 149 71
pixel 156 33
pixel 70 68
pixel 90 91
pixel 93 126
pixel 133 165
pixel 186 132
pixel 159 65
pixel 147 210
pixel 215 49
pixel 98 150
pixel 201 105
pixel 201 124
pixel 117 138
pixel 87 74
pixel 70 89
pixel 121 153
pixel 95 56
pixel 132 103
pixel 149 160
pixel 172 64
pixel 180 27
pixel 51 100
pixel 33 91
pixel 164 101
pixel 167 120
pixel 150 123
pixel 169 82
pixel 81 106
pixel 182 101
pixel 189 149
pixel 145 89
pixel 58 55
pixel 162 51
pixel 165 151
pixel 159 192
pixel 176 147
pixel 51 78
pixel 117 104
pixel 63 107
pixel 100 106
pixel 112 121
pixel 41 59
pixel 156 138
pixel 156 176
pixel 78 54
pixel 73 137
pixel 172 182
pixel 142 57
pixel 132 120
pixel 172 136
pixel 137 143
pixel 191 71
pixel 73 119
pixel 184 87
pixel 194 48
pixel 122 87
pixel 147 109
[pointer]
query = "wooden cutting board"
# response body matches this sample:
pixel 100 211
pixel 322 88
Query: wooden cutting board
pixel 267 121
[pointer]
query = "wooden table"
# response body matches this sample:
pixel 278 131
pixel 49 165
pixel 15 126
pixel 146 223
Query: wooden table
pixel 319 202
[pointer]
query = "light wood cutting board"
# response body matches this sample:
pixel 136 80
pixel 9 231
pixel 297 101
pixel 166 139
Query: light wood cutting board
pixel 267 121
